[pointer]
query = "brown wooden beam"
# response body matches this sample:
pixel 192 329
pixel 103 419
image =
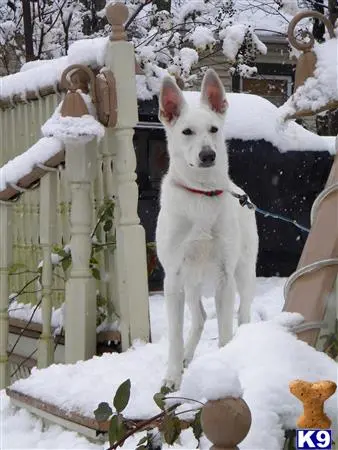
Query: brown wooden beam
pixel 308 294
pixel 31 179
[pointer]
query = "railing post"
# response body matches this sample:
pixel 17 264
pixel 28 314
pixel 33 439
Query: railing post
pixel 130 253
pixel 5 263
pixel 80 314
pixel 47 238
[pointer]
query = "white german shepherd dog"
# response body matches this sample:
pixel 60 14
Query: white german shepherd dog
pixel 204 236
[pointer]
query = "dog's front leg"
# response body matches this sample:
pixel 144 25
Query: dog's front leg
pixel 174 299
pixel 225 305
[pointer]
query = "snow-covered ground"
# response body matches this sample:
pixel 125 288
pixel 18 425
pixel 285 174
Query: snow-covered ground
pixel 265 356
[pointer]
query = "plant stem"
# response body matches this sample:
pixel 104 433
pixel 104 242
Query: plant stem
pixel 25 328
pixel 140 427
pixel 185 398
pixel 22 289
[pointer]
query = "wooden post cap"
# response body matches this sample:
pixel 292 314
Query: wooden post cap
pixel 76 78
pixel 117 15
pixel 226 422
pixel 313 396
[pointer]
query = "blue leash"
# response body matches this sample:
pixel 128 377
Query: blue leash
pixel 244 201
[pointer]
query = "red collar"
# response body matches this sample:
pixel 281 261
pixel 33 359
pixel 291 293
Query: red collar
pixel 215 193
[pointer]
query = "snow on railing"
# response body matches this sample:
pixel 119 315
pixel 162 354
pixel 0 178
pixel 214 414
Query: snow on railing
pixel 71 136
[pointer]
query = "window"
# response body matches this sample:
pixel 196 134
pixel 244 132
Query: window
pixel 275 88
pixel 274 81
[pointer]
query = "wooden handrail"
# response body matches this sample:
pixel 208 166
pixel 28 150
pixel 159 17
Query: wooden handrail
pixel 31 180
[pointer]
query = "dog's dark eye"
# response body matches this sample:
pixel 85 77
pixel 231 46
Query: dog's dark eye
pixel 187 132
pixel 213 130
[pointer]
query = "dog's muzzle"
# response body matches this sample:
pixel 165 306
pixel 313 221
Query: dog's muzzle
pixel 207 157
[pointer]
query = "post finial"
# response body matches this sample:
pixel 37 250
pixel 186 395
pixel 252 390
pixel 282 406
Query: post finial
pixel 307 61
pixel 226 422
pixel 117 15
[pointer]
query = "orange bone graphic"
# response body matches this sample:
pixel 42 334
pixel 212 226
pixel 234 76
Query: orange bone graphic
pixel 313 396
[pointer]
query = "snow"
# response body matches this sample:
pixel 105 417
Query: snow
pixel 233 37
pixel 188 57
pixel 66 129
pixel 274 358
pixel 252 117
pixel 265 17
pixel 321 89
pixel 38 74
pixel 23 164
pixel 24 311
pixel 202 37
pixel 255 361
pixel 210 377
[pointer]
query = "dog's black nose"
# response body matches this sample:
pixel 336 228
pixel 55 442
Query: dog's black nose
pixel 207 156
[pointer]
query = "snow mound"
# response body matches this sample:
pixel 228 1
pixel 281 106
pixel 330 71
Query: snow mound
pixel 39 74
pixel 266 357
pixel 261 360
pixel 212 378
pixel 321 89
pixel 84 128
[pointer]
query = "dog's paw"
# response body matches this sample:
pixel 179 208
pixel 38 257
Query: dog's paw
pixel 172 382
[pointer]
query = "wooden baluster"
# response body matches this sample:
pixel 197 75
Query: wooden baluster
pixel 130 253
pixel 48 224
pixel 5 263
pixel 81 287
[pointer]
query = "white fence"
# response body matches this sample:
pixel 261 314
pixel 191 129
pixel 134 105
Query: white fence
pixel 64 210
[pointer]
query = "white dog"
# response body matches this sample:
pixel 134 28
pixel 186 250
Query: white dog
pixel 204 236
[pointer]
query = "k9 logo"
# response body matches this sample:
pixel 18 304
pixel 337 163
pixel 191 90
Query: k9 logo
pixel 314 439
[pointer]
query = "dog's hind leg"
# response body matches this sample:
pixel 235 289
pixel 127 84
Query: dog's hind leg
pixel 225 305
pixel 246 280
pixel 198 317
pixel 174 300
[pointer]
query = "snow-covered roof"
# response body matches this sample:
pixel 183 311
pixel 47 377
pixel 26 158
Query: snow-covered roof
pixel 321 90
pixel 251 117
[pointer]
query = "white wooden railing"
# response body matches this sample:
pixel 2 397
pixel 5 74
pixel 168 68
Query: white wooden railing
pixel 93 172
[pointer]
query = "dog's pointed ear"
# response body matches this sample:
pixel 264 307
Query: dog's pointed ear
pixel 213 93
pixel 171 101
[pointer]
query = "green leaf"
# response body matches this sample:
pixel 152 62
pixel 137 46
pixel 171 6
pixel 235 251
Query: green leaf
pixel 61 252
pixel 108 225
pixel 143 440
pixel 103 412
pixel 166 390
pixel 171 426
pixel 66 263
pixel 159 400
pixel 117 429
pixel 113 430
pixel 93 260
pixel 96 273
pixel 196 426
pixel 122 396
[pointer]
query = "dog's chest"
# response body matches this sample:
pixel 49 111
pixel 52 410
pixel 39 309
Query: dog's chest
pixel 201 263
pixel 200 250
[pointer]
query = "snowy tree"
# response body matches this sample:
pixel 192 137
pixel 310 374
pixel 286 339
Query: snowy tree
pixel 44 29
pixel 169 35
